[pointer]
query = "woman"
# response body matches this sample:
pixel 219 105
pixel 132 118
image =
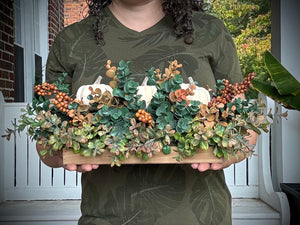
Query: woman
pixel 148 33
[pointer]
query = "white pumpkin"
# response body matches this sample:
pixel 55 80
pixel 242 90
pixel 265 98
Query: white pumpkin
pixel 146 91
pixel 200 93
pixel 84 91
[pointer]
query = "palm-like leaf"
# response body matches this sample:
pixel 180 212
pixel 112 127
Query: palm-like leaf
pixel 281 86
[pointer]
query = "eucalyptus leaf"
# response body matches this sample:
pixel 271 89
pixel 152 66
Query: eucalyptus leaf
pixel 131 87
pixel 129 97
pixel 163 109
pixel 118 92
pixel 46 105
pixel 178 79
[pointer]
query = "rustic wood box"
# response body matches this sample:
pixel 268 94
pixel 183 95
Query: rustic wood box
pixel 201 156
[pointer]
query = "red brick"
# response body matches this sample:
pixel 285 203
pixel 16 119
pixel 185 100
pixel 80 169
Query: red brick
pixel 8 30
pixel 5 56
pixel 12 94
pixel 2 84
pixel 55 18
pixel 4 37
pixel 6 19
pixel 5 74
pixel 11 76
pixel 6 65
pixel 2 45
pixel 5 92
pixel 11 40
pixel 9 84
pixel 8 48
pixel 74 11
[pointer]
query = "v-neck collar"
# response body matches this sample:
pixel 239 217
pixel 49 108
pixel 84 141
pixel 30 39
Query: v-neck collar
pixel 161 23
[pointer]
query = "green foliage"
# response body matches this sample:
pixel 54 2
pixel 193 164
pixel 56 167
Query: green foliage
pixel 249 23
pixel 227 136
pixel 90 130
pixel 279 84
pixel 61 85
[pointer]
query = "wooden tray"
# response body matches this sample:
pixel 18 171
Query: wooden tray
pixel 202 156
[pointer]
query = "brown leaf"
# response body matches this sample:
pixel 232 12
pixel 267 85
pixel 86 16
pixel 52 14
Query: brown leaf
pixel 89 117
pixel 172 97
pixel 223 123
pixel 225 114
pixel 98 91
pixel 220 105
pixel 210 117
pixel 260 118
pixel 208 88
pixel 285 114
pixel 209 124
pixel 71 113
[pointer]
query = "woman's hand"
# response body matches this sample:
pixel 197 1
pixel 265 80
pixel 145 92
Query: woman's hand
pixel 56 161
pixel 215 166
pixel 81 168
pixel 252 139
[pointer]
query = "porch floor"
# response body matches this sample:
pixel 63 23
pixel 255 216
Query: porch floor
pixel 67 212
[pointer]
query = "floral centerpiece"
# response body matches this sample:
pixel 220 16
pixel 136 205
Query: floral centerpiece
pixel 125 118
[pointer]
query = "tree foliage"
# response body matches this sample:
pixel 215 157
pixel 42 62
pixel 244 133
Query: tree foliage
pixel 249 22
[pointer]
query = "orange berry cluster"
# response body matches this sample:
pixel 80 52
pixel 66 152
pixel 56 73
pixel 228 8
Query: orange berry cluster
pixel 62 100
pixel 45 89
pixel 144 116
pixel 231 90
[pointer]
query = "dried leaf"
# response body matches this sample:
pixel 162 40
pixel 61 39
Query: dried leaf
pixel 209 124
pixel 210 117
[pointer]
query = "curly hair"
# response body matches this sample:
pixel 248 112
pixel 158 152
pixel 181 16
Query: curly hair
pixel 179 10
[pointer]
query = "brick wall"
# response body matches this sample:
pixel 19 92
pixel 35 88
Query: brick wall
pixel 56 18
pixel 7 50
pixel 75 10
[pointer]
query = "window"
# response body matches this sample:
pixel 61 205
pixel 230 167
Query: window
pixel 31 46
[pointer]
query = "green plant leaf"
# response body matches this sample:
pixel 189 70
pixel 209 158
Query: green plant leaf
pixel 129 97
pixel 183 125
pixel 131 87
pixel 203 144
pixel 46 105
pixel 163 109
pixel 118 92
pixel 89 97
pixel 284 82
pixel 288 101
pixel 195 142
pixel 178 79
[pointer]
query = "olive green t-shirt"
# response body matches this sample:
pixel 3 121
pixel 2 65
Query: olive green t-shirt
pixel 149 194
